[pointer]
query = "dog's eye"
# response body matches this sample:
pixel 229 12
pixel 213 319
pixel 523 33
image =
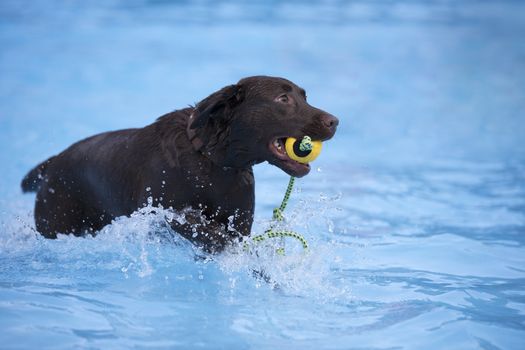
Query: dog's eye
pixel 283 99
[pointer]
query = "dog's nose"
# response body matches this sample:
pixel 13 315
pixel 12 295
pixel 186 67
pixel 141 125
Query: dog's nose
pixel 330 121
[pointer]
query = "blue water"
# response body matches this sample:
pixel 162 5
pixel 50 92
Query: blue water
pixel 415 212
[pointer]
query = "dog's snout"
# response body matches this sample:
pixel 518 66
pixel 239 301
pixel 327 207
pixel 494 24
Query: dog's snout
pixel 330 121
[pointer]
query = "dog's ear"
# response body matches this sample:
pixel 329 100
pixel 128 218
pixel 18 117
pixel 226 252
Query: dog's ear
pixel 218 105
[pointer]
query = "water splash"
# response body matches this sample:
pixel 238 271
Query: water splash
pixel 298 272
pixel 143 245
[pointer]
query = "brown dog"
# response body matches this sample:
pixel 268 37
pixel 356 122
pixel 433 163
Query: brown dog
pixel 196 160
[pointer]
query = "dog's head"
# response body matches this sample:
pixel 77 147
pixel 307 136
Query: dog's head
pixel 248 123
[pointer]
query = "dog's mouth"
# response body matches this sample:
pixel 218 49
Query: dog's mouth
pixel 283 161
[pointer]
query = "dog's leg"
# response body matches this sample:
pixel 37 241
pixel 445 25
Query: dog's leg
pixel 57 214
pixel 207 233
pixel 58 210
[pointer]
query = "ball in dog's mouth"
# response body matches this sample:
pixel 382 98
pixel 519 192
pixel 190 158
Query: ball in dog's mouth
pixel 282 159
pixel 304 150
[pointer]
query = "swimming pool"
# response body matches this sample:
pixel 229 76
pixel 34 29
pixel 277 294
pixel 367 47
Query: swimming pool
pixel 415 211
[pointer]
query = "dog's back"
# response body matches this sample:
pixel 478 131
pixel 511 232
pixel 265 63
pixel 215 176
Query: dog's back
pixel 197 160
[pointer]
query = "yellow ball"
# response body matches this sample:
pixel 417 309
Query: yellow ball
pixel 294 152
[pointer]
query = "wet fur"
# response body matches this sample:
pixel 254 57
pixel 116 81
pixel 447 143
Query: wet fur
pixel 112 174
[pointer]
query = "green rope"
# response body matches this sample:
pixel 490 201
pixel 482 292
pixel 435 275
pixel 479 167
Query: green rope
pixel 278 212
pixel 306 145
pixel 278 216
pixel 274 234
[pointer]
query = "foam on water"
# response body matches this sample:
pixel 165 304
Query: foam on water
pixel 144 244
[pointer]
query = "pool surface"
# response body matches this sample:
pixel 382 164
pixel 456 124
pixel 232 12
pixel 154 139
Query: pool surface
pixel 414 212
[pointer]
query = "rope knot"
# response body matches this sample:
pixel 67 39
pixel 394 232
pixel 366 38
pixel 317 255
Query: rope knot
pixel 278 214
pixel 306 144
